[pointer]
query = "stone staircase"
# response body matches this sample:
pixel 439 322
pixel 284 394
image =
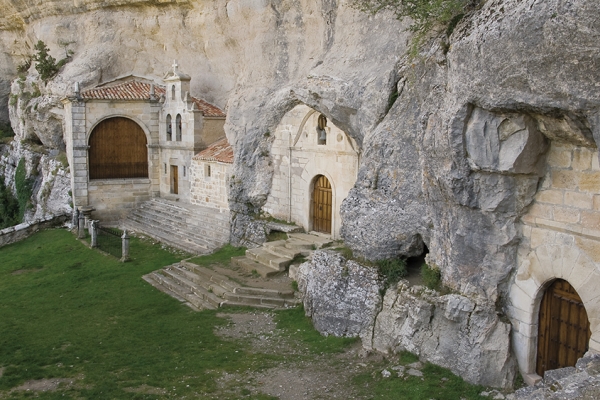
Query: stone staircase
pixel 203 288
pixel 196 229
pixel 274 257
pixel 255 280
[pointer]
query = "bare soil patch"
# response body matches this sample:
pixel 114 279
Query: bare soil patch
pixel 296 377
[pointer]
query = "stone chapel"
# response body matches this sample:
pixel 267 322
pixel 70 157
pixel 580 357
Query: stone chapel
pixel 132 139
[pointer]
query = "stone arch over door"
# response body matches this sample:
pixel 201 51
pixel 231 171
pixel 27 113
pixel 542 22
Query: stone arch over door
pixel 564 328
pixel 118 150
pixel 537 271
pixel 321 209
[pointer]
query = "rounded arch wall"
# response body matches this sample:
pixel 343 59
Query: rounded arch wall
pixel 537 270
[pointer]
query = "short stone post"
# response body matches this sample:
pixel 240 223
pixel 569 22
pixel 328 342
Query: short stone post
pixel 75 219
pixel 94 233
pixel 81 227
pixel 125 247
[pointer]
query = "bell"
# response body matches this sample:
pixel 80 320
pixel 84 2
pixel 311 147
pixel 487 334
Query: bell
pixel 322 134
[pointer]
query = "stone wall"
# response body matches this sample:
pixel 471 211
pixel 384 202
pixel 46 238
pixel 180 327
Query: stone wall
pixel 295 170
pixel 85 116
pixel 19 232
pixel 210 191
pixel 560 239
pixel 112 199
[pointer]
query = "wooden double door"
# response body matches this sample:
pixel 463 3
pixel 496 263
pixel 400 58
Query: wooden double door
pixel 564 328
pixel 322 205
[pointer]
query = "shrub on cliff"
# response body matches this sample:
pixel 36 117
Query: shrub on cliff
pixel 423 13
pixel 9 206
pixel 46 65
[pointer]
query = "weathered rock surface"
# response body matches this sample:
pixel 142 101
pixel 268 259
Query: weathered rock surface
pixel 341 296
pixel 452 331
pixel 580 382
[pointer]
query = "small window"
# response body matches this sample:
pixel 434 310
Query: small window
pixel 322 134
pixel 165 169
pixel 173 92
pixel 169 129
pixel 207 171
pixel 178 123
pixel 184 170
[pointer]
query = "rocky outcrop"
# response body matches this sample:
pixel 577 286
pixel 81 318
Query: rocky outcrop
pixel 344 298
pixel 580 382
pixel 341 296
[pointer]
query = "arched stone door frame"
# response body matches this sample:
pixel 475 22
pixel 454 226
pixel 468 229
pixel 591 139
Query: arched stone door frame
pixel 537 271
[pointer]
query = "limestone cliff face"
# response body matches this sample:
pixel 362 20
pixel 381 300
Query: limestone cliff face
pixel 452 164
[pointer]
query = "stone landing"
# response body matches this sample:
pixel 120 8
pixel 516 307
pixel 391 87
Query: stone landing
pixel 275 257
pixel 196 229
pixel 207 288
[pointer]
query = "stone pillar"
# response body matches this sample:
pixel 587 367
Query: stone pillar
pixel 93 227
pixel 81 227
pixel 125 247
pixel 87 214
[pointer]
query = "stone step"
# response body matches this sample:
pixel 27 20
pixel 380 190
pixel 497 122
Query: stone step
pixel 209 276
pixel 281 248
pixel 190 287
pixel 318 241
pixel 162 236
pixel 254 266
pixel 265 257
pixel 170 233
pixel 201 229
pixel 252 291
pixel 198 280
pixel 255 300
pixel 194 213
pixel 182 219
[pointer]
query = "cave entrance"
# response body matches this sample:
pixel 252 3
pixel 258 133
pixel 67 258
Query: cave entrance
pixel 564 328
pixel 322 205
pixel 413 267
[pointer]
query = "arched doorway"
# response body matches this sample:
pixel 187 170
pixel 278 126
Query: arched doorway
pixel 322 205
pixel 118 150
pixel 564 328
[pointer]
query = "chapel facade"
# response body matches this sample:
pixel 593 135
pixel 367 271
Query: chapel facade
pixel 132 139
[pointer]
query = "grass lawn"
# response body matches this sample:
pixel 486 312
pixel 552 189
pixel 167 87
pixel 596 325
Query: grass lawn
pixel 70 312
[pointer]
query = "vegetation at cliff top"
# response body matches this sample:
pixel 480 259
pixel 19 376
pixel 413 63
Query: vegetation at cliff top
pixel 87 326
pixel 424 14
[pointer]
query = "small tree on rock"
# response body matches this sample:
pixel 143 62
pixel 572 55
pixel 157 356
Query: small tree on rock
pixel 46 64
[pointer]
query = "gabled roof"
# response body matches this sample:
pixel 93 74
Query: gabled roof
pixel 220 151
pixel 136 90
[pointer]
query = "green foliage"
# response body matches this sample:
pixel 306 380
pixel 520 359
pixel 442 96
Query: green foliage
pixel 274 236
pixel 432 276
pixel 294 285
pixel 24 188
pixel 6 132
pixel 9 206
pixel 23 68
pixel 423 13
pixel 391 270
pixel 46 64
pixel 221 256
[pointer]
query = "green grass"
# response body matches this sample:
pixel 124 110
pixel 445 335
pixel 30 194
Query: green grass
pixel 221 256
pixel 67 311
pixel 439 384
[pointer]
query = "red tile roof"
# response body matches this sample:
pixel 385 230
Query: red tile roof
pixel 220 150
pixel 136 90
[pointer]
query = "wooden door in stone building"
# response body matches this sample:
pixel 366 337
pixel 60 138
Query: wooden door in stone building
pixel 118 150
pixel 322 205
pixel 564 328
pixel 174 179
